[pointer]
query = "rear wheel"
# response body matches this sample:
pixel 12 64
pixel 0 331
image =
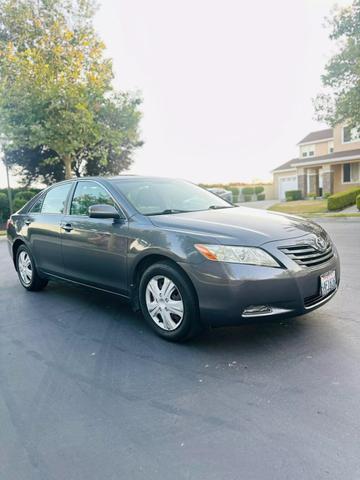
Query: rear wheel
pixel 28 275
pixel 168 302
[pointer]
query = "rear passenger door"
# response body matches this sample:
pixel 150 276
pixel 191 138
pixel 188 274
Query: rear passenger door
pixel 94 250
pixel 43 228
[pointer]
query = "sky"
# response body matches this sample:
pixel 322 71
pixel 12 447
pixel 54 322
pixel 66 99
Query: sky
pixel 227 86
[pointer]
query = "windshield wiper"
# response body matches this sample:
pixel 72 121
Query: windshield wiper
pixel 218 207
pixel 168 211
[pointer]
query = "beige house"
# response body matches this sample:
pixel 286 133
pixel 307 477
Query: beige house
pixel 328 162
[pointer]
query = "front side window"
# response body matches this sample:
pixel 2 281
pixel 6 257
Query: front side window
pixel 351 172
pixel 351 134
pixel 55 199
pixel 87 194
pixel 163 196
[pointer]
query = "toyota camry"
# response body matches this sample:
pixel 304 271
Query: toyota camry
pixel 182 255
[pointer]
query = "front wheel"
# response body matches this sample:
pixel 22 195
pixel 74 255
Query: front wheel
pixel 26 269
pixel 168 302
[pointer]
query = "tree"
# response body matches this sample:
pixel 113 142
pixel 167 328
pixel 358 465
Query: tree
pixel 56 89
pixel 340 101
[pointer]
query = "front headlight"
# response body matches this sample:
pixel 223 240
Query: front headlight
pixel 229 254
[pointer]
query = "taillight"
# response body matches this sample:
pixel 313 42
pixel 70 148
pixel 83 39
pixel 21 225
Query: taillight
pixel 8 223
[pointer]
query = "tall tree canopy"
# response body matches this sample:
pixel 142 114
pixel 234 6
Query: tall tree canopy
pixel 340 101
pixel 59 113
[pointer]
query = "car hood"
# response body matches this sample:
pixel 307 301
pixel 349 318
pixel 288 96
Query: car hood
pixel 237 226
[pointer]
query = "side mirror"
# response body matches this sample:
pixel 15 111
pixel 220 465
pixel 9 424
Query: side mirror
pixel 104 211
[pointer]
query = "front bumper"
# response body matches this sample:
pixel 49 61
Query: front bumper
pixel 227 290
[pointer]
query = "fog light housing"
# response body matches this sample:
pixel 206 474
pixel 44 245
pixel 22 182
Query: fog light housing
pixel 257 310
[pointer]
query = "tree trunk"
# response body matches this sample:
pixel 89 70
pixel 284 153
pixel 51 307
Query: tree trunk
pixel 67 162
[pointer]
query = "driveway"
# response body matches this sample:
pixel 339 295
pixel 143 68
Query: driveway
pixel 88 392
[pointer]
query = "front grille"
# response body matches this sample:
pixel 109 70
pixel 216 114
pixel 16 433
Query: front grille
pixel 314 299
pixel 307 255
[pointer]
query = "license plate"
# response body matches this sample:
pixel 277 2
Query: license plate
pixel 327 283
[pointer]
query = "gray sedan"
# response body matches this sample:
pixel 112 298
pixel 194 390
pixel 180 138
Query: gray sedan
pixel 183 256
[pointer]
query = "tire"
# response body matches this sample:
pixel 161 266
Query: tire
pixel 163 291
pixel 28 276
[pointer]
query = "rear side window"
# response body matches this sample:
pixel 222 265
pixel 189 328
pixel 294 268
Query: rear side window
pixel 55 199
pixel 87 194
pixel 36 208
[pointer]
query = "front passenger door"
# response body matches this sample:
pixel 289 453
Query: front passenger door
pixel 94 250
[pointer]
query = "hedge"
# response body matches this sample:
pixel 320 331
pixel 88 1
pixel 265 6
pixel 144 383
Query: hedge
pixel 291 195
pixel 248 191
pixel 358 202
pixel 247 198
pixel 259 189
pixel 343 199
pixel 261 196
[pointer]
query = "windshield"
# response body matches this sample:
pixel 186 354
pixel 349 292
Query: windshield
pixel 163 196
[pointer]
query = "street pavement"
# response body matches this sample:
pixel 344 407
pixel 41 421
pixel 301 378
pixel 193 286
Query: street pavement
pixel 87 391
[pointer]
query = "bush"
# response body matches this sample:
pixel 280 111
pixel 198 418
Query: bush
pixel 259 189
pixel 358 202
pixel 326 195
pixel 291 195
pixel 4 207
pixel 261 196
pixel 343 199
pixel 312 195
pixel 247 198
pixel 21 198
pixel 248 191
pixel 235 193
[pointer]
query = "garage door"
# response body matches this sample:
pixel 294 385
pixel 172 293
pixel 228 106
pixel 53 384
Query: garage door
pixel 285 184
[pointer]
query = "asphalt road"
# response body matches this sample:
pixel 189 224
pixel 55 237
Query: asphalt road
pixel 88 392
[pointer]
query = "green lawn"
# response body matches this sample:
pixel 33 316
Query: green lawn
pixel 2 232
pixel 301 207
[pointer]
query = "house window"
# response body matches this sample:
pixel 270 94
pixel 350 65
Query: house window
pixel 308 150
pixel 351 134
pixel 330 146
pixel 351 172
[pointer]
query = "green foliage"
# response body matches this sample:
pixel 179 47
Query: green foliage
pixel 247 191
pixel 340 101
pixel 21 198
pixel 326 195
pixel 56 91
pixel 358 202
pixel 4 207
pixel 291 195
pixel 261 196
pixel 258 189
pixel 247 198
pixel 343 199
pixel 235 193
pixel 312 195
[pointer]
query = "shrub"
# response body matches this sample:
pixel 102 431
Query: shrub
pixel 291 195
pixel 21 198
pixel 358 202
pixel 247 198
pixel 4 207
pixel 248 191
pixel 343 199
pixel 261 196
pixel 235 193
pixel 259 189
pixel 326 195
pixel 312 195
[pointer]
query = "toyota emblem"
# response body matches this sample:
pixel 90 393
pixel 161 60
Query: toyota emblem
pixel 320 244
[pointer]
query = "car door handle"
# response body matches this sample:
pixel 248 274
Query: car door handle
pixel 67 227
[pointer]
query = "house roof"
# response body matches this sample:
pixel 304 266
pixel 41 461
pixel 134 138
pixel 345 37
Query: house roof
pixel 317 136
pixel 287 165
pixel 348 154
